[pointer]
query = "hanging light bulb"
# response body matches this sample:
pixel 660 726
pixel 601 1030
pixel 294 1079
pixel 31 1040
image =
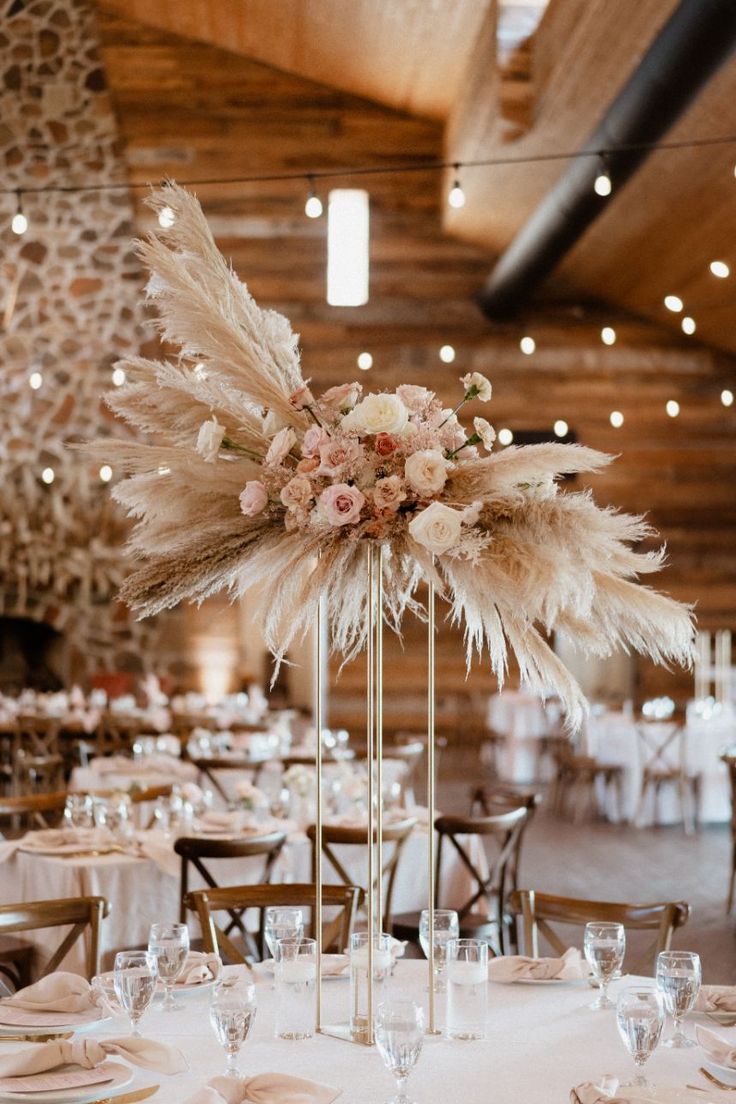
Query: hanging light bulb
pixel 505 436
pixel 608 335
pixel 616 419
pixel 602 185
pixel 720 269
pixel 166 218
pixel 527 345
pixel 447 354
pixel 688 325
pixel 105 473
pixel 48 475
pixel 673 303
pixel 672 407
pixel 365 361
pixel 727 397
pixel 118 377
pixel 19 225
pixel 35 381
pixel 560 427
pixel 456 195
pixel 313 206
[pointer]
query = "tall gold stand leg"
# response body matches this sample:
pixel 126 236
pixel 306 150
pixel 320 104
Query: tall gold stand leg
pixel 318 818
pixel 431 874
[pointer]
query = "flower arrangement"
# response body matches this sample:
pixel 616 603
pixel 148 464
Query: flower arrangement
pixel 249 797
pixel 251 482
pixel 300 780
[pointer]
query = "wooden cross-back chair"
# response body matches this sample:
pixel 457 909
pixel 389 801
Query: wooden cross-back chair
pixel 729 758
pixel 34 774
pixel 31 811
pixel 209 765
pixel 37 735
pixel 395 835
pixel 194 850
pixel 83 914
pixel 336 931
pixel 537 912
pixel 663 753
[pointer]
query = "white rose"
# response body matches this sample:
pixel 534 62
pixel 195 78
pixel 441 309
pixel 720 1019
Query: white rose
pixel 281 445
pixel 297 493
pixel 478 384
pixel 378 414
pixel 426 471
pixel 485 431
pixel 209 439
pixel 438 528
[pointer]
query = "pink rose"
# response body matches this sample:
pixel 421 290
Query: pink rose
pixel 302 397
pixel 413 397
pixel 336 454
pixel 297 493
pixel 341 397
pixel 385 444
pixel 253 498
pixel 388 494
pixel 341 504
pixel 308 464
pixel 313 440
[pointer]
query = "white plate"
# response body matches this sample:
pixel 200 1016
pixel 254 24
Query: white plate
pixel 549 981
pixel 122 1076
pixel 50 1028
pixel 714 1017
pixel 723 1073
pixel 268 966
pixel 192 987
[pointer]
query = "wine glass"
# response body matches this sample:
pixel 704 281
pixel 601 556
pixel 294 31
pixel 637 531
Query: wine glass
pixel 399 1033
pixel 135 984
pixel 232 1012
pixel 446 927
pixel 282 923
pixel 678 980
pixel 605 947
pixel 640 1018
pixel 169 944
pixel 78 811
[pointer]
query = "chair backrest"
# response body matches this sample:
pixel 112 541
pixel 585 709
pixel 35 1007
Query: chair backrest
pixel 341 901
pixel 208 766
pixel 498 799
pixel 84 914
pixel 32 811
pixel 194 849
pixel 538 911
pixel 395 834
pixel 729 758
pixel 37 735
pixel 33 774
pixel 661 746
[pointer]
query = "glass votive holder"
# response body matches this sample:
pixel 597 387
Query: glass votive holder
pixel 295 973
pixel 467 988
pixel 359 982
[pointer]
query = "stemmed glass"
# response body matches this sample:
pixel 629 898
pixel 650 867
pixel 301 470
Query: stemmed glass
pixel 640 1019
pixel 399 1033
pixel 169 944
pixel 446 927
pixel 678 980
pixel 135 983
pixel 232 1012
pixel 605 947
pixel 282 923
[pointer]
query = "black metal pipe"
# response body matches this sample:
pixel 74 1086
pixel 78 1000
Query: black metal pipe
pixel 699 36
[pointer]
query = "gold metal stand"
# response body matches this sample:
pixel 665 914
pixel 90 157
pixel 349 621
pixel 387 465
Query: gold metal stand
pixel 431 874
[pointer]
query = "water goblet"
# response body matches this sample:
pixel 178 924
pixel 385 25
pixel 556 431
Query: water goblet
pixel 446 927
pixel 282 923
pixel 605 947
pixel 232 1012
pixel 135 984
pixel 78 811
pixel 640 1019
pixel 678 980
pixel 399 1034
pixel 169 944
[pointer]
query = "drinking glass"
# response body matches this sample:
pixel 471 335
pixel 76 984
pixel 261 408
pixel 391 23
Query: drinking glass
pixel 169 944
pixel 640 1018
pixel 78 811
pixel 382 966
pixel 605 947
pixel 282 923
pixel 399 1033
pixel 232 1011
pixel 678 980
pixel 446 927
pixel 296 977
pixel 467 988
pixel 135 984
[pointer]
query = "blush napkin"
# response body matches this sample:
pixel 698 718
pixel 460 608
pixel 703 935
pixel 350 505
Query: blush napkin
pixel 605 1092
pixel 716 998
pixel 510 968
pixel 265 1088
pixel 89 1053
pixel 200 968
pixel 718 1049
pixel 59 992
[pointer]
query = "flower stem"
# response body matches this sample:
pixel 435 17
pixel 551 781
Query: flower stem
pixel 227 443
pixel 474 439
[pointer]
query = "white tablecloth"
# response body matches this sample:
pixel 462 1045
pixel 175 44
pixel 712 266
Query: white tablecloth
pixel 540 1042
pixel 521 719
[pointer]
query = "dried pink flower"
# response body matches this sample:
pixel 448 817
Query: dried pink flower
pixel 341 504
pixel 253 498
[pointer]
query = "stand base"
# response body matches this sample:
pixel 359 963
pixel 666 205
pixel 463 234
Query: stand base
pixel 343 1032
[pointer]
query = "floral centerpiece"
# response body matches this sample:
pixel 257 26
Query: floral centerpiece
pixel 249 480
pixel 249 797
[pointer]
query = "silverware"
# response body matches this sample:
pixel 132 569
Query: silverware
pixel 721 1084
pixel 128 1098
pixel 36 1038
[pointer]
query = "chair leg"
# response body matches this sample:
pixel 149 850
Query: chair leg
pixel 729 902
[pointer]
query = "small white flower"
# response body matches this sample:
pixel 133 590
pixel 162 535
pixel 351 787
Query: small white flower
pixel 209 439
pixel 438 528
pixel 485 431
pixel 281 445
pixel 383 413
pixel 426 471
pixel 478 384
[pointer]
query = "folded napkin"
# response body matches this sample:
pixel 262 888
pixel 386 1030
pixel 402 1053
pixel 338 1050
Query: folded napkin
pixel 52 839
pixel 335 965
pixel 59 992
pixel 265 1088
pixel 509 968
pixel 604 1093
pixel 89 1053
pixel 716 998
pixel 200 968
pixel 720 1050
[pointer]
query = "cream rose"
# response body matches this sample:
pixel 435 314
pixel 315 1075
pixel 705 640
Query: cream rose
pixel 438 528
pixel 342 397
pixel 313 439
pixel 336 454
pixel 297 493
pixel 209 439
pixel 253 498
pixel 477 384
pixel 485 431
pixel 382 413
pixel 281 445
pixel 341 504
pixel 426 471
pixel 389 493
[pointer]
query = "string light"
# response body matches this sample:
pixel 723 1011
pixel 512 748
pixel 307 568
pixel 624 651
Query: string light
pixel 19 224
pixel 456 196
pixel 672 407
pixel 560 427
pixel 505 437
pixel 602 185
pixel 447 354
pixel 608 335
pixel 166 218
pixel 105 473
pixel 673 303
pixel 527 345
pixel 365 361
pixel 616 419
pixel 688 325
pixel 720 269
pixel 35 381
pixel 118 377
pixel 313 207
pixel 48 475
pixel 727 397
